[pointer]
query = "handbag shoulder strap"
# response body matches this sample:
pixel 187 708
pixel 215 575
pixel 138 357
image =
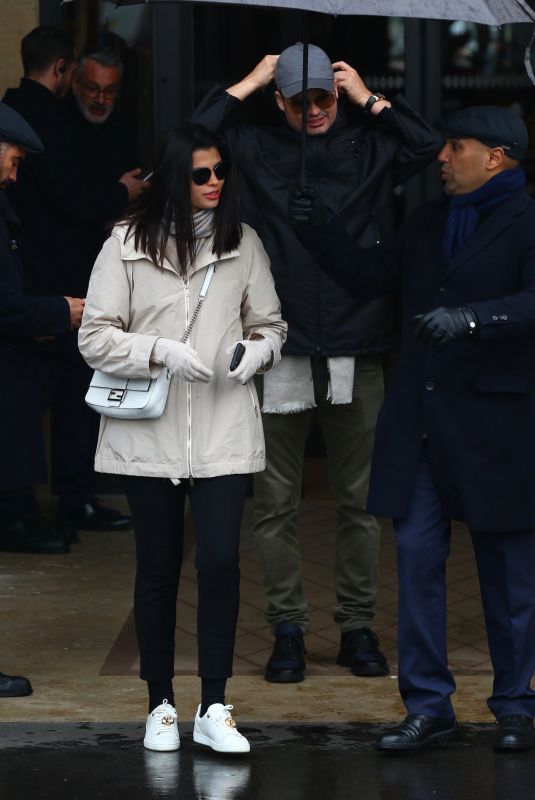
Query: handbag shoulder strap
pixel 202 296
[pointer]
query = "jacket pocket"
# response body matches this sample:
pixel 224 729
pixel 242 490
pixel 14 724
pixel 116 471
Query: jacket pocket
pixel 502 384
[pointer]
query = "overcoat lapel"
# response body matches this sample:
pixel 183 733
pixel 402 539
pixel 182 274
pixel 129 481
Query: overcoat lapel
pixel 494 226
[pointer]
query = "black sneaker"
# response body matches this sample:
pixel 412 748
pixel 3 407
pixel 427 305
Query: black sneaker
pixel 287 663
pixel 36 535
pixel 14 686
pixel 359 650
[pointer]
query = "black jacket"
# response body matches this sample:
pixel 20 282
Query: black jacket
pixel 475 400
pixel 354 169
pixel 108 150
pixel 61 197
pixel 22 317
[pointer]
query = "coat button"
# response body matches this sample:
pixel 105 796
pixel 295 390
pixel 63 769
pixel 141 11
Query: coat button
pixel 494 318
pixel 504 317
pixel 442 289
pixel 429 386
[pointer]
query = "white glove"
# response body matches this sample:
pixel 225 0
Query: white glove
pixel 258 353
pixel 181 359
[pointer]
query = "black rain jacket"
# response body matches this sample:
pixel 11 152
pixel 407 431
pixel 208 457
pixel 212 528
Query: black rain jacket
pixel 354 170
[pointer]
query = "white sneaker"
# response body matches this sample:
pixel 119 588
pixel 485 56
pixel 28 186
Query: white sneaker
pixel 218 730
pixel 161 732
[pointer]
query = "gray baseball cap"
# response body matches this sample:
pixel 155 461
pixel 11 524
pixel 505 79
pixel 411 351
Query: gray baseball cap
pixel 289 70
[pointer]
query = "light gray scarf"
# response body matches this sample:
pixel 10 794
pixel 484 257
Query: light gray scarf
pixel 289 387
pixel 203 223
pixel 203 227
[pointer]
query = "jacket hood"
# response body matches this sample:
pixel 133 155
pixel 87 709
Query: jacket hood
pixel 205 255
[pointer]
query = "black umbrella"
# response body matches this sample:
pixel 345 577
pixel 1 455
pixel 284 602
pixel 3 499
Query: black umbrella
pixel 486 12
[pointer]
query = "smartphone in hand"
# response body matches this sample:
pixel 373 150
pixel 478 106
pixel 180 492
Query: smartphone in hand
pixel 237 356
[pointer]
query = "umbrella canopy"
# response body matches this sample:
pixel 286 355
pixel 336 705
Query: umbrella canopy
pixel 487 12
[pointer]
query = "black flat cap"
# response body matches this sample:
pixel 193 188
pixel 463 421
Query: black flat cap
pixel 15 130
pixel 492 125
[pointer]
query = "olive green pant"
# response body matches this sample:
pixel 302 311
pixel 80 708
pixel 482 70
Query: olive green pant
pixel 348 432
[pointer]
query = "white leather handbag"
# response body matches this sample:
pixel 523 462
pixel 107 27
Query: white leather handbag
pixel 138 398
pixel 128 398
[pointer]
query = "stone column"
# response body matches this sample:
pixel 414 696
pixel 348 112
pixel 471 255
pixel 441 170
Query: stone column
pixel 18 17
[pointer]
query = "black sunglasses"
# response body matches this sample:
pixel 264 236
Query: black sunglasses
pixel 202 175
pixel 321 99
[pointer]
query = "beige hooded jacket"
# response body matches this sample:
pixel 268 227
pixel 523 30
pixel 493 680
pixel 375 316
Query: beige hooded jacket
pixel 207 429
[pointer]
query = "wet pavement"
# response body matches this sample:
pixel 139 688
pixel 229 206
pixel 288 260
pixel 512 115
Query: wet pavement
pixel 73 761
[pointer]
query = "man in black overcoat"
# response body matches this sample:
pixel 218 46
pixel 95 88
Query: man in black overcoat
pixel 103 139
pixel 23 318
pixel 62 199
pixel 455 438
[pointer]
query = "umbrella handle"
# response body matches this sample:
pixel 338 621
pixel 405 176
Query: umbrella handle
pixel 304 35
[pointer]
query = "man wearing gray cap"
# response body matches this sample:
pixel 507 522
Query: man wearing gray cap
pixel 456 434
pixel 332 361
pixel 22 319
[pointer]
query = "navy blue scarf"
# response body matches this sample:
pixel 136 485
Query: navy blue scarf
pixel 466 210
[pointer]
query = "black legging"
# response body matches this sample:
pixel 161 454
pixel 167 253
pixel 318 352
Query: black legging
pixel 158 516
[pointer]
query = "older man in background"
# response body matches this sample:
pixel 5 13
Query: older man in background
pixel 106 141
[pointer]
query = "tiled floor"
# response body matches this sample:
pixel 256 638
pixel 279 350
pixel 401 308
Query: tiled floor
pixel 67 623
pixel 467 643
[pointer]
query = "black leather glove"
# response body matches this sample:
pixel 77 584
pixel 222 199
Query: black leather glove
pixel 305 207
pixel 440 327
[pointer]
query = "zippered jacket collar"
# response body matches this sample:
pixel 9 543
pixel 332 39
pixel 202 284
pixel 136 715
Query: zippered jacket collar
pixel 204 257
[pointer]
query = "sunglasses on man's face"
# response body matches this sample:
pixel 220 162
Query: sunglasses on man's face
pixel 201 175
pixel 322 100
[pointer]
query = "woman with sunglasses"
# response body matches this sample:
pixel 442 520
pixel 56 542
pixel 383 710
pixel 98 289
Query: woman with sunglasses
pixel 142 296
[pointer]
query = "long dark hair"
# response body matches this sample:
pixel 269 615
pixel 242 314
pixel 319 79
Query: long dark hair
pixel 165 210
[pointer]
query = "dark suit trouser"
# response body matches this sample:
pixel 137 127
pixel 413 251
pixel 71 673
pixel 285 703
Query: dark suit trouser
pixel 65 379
pixel 506 569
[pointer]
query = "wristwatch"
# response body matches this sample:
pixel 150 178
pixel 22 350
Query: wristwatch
pixel 372 99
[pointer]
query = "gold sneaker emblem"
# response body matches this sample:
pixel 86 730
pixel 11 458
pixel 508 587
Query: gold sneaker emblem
pixel 230 722
pixel 167 720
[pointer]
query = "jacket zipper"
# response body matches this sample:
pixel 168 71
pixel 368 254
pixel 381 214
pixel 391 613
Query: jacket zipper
pixel 188 391
pixel 316 154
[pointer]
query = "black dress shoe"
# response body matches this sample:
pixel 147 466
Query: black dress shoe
pixel 515 733
pixel 94 517
pixel 416 732
pixel 36 535
pixel 287 661
pixel 359 650
pixel 14 686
